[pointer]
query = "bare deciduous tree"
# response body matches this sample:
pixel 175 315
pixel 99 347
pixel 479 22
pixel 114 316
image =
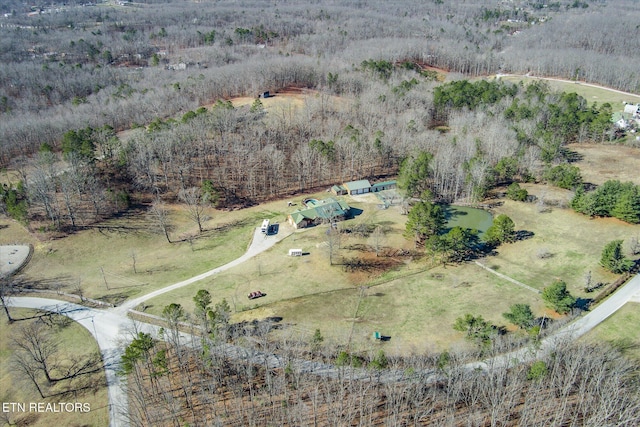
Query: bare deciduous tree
pixel 38 345
pixel 195 201
pixel 160 215
pixel 378 239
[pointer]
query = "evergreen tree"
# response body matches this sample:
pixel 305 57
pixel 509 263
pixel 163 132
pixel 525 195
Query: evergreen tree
pixel 613 259
pixel 459 244
pixel 414 174
pixel 627 208
pixel 501 231
pixel 520 315
pixel 425 219
pixel 517 193
pixel 558 298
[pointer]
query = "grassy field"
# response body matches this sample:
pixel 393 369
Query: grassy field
pixel 621 330
pixel 73 340
pixel 590 93
pixel 599 163
pixel 284 277
pixel 112 246
pixel 407 299
pixel 573 243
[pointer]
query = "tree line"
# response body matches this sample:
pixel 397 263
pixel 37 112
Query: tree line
pixel 478 134
pixel 90 50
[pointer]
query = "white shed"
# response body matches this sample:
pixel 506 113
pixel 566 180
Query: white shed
pixel 295 252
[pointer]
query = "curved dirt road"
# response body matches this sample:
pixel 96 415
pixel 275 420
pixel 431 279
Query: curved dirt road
pixel 259 243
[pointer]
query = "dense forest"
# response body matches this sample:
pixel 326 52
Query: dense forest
pixel 77 74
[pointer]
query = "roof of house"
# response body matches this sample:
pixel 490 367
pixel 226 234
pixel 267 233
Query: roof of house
pixel 338 188
pixel 324 209
pixel 619 116
pixel 357 185
pixel 383 184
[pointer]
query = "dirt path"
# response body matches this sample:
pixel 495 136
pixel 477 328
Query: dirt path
pixel 502 276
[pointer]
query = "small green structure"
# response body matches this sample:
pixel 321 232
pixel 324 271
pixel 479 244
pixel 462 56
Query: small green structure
pixel 384 185
pixel 339 190
pixel 362 186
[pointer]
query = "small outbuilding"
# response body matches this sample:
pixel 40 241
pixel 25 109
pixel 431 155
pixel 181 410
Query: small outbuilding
pixel 632 109
pixel 381 186
pixel 339 190
pixel 358 187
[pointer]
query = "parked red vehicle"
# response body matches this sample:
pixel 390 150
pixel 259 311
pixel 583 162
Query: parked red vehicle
pixel 256 294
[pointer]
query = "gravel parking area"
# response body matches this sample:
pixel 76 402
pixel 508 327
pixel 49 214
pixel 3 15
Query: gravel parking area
pixel 12 258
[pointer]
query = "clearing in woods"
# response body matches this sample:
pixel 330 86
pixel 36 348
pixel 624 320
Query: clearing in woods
pixel 403 295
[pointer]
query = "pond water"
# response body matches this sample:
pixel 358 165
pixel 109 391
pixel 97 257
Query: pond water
pixel 467 217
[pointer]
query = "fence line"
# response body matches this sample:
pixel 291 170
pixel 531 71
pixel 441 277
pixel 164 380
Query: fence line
pixel 502 276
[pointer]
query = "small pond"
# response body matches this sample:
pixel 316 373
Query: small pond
pixel 467 217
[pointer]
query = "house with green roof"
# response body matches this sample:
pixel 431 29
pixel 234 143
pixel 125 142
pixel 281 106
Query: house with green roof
pixel 319 212
pixel 621 120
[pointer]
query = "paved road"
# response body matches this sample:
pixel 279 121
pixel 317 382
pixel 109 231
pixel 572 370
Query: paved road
pixel 109 329
pixel 112 328
pixel 630 292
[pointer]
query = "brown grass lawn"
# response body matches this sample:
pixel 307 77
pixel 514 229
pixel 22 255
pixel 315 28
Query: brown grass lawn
pixel 284 278
pixel 110 247
pixel 406 299
pixel 621 330
pixel 413 303
pixel 574 242
pixel 73 339
pixel 601 163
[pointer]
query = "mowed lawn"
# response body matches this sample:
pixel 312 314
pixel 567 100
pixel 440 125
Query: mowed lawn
pixel 101 259
pixel 413 302
pixel 622 330
pixel 73 341
pixel 407 299
pixel 572 242
pixel 283 277
pixel 599 163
